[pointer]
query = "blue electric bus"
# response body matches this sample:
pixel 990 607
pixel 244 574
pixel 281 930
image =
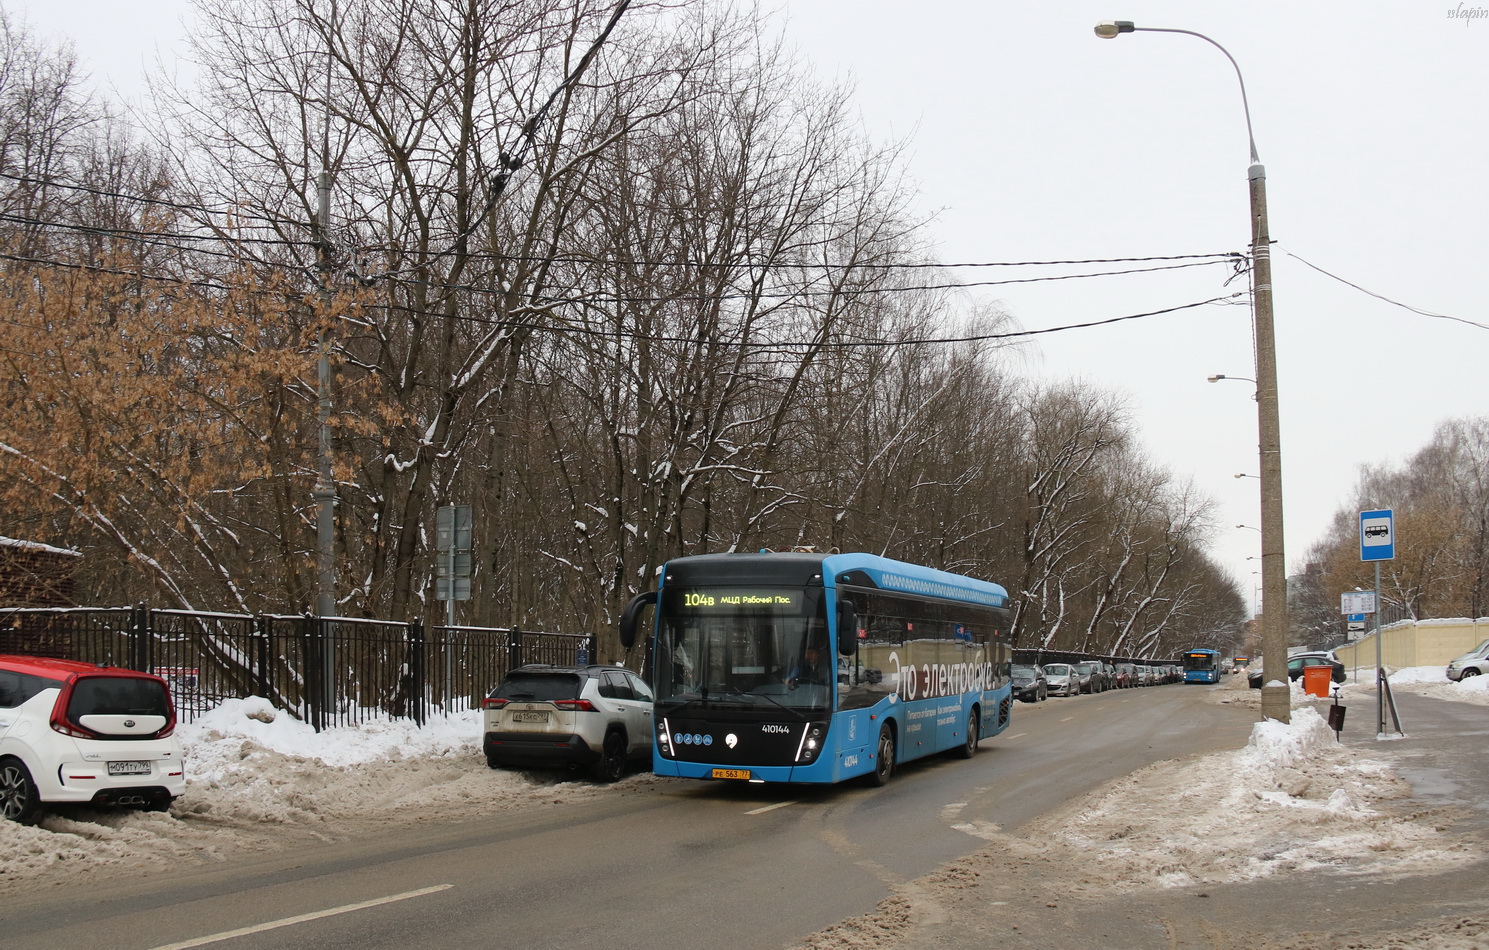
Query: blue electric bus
pixel 917 662
pixel 1202 666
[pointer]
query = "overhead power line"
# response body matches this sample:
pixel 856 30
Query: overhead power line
pixel 779 346
pixel 1394 303
pixel 1234 257
pixel 631 334
pixel 161 202
pixel 796 293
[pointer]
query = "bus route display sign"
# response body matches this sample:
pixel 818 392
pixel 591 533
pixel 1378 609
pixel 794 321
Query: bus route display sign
pixel 729 599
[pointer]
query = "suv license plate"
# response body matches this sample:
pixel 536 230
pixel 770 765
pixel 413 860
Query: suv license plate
pixel 742 774
pixel 538 716
pixel 129 768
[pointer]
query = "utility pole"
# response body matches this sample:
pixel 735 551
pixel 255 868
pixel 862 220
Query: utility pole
pixel 325 486
pixel 1276 699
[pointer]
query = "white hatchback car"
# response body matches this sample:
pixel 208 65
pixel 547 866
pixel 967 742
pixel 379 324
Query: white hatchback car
pixel 78 733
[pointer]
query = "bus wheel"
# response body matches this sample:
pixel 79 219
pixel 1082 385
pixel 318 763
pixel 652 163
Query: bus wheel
pixel 884 761
pixel 969 748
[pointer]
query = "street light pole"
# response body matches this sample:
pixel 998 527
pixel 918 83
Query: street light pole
pixel 1276 697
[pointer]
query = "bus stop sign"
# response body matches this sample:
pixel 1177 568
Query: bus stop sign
pixel 1377 535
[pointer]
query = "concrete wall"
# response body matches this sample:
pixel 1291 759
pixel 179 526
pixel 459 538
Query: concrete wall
pixel 1417 643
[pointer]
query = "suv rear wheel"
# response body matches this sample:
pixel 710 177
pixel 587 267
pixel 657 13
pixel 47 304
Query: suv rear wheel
pixel 19 800
pixel 612 761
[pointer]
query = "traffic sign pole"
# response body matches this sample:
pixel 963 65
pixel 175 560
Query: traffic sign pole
pixel 1378 543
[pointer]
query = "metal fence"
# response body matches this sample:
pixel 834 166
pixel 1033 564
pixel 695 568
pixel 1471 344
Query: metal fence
pixel 326 671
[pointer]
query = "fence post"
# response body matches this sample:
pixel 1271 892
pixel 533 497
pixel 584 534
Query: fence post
pixel 417 672
pixel 514 649
pixel 261 654
pixel 139 638
pixel 312 635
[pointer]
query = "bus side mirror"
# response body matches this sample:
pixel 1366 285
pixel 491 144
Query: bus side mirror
pixel 631 614
pixel 847 629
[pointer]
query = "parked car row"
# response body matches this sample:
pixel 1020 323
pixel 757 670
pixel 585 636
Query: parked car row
pixel 1032 683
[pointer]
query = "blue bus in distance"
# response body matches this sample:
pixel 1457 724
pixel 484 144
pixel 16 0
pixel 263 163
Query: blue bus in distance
pixel 810 667
pixel 1202 666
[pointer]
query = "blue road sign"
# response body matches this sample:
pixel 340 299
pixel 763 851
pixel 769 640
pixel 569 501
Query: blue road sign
pixel 1377 535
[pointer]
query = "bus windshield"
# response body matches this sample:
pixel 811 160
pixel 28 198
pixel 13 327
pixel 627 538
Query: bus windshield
pixel 1201 660
pixel 757 648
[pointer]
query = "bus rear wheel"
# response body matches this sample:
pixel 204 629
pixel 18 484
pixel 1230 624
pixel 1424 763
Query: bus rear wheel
pixel 883 760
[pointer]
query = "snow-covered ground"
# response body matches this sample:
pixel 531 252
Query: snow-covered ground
pixel 1292 800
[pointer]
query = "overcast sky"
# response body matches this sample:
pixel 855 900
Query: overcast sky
pixel 1032 140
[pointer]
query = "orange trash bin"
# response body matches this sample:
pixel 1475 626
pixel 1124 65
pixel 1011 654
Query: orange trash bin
pixel 1317 679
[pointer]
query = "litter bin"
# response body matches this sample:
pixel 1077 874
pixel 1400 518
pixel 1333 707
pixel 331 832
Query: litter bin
pixel 1317 679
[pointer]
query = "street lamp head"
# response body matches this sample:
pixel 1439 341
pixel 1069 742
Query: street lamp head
pixel 1108 29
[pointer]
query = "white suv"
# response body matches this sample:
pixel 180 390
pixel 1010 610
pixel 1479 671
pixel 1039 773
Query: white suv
pixel 595 717
pixel 79 733
pixel 1473 663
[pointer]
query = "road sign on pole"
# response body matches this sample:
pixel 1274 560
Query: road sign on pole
pixel 1357 603
pixel 1377 535
pixel 452 588
pixel 452 528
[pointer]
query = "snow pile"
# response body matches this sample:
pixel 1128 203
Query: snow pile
pixel 258 779
pixel 1423 680
pixel 1433 681
pixel 1292 800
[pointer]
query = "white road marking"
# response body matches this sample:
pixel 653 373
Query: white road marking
pixel 302 918
pixel 766 808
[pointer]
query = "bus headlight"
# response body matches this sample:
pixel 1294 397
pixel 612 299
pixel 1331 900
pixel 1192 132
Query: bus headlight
pixel 811 742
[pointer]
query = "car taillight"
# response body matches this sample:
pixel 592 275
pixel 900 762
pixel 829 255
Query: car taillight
pixel 491 702
pixel 68 729
pixel 575 705
pixel 60 722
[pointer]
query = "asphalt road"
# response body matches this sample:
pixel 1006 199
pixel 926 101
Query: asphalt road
pixel 685 865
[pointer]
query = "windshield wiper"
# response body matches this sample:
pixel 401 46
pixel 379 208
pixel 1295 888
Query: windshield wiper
pixel 800 716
